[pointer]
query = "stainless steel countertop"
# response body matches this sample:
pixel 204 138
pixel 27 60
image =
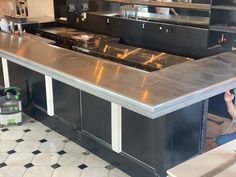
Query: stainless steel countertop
pixel 151 94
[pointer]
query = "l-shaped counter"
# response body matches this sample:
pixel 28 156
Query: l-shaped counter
pixel 142 122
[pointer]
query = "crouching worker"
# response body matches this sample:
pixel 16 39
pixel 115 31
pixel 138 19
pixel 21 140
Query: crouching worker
pixel 222 139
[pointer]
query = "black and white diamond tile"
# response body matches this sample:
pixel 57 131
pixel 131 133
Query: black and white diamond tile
pixel 32 121
pixel 109 167
pixel 19 140
pixel 4 129
pixel 86 153
pixel 11 152
pixel 48 146
pixel 34 150
pixel 71 159
pixel 48 130
pixel 66 141
pixel 28 165
pixel 3 165
pixel 43 141
pixel 27 130
pixel 45 159
pixel 6 146
pixel 61 152
pixel 55 166
pixel 27 146
pixel 67 172
pixel 19 159
pixel 12 135
pixel 34 135
pixel 82 166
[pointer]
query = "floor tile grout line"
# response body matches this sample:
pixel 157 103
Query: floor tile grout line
pixel 6 158
pixel 14 139
pixel 80 173
pixel 10 154
pixel 52 173
pixel 42 143
pixel 24 172
pixel 28 168
pixel 63 154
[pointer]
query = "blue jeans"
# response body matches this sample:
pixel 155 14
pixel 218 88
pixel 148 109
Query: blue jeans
pixel 222 139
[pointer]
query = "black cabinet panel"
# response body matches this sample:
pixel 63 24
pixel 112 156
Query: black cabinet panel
pixel 67 103
pixel 17 78
pixel 37 88
pixel 1 74
pixel 186 130
pixel 139 136
pixel 96 116
pixel 166 141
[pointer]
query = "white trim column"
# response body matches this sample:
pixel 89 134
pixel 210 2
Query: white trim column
pixel 49 95
pixel 5 73
pixel 116 128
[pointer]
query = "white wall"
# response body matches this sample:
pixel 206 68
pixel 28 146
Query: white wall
pixel 40 8
pixel 6 7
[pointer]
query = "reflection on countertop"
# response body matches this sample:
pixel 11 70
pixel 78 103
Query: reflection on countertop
pixel 108 47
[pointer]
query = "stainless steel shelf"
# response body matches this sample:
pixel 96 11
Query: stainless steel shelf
pixel 224 28
pixel 191 6
pixel 225 7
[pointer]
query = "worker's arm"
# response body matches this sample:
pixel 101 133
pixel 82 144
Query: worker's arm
pixel 174 12
pixel 230 106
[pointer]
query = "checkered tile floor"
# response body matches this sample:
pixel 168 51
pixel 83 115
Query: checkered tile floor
pixel 34 150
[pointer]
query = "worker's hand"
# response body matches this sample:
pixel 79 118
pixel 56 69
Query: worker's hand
pixel 228 97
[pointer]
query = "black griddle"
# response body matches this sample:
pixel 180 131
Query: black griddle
pixel 107 47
